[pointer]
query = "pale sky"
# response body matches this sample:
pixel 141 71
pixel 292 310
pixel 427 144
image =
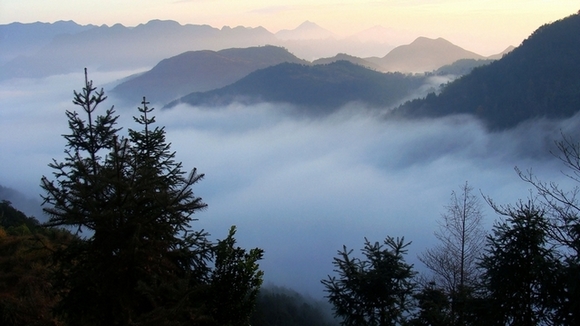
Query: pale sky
pixel 483 26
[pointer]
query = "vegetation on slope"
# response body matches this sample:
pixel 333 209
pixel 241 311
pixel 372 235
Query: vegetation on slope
pixel 539 79
pixel 318 89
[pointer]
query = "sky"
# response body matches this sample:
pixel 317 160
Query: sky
pixel 483 26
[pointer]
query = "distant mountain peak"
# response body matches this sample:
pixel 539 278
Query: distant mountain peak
pixel 537 80
pixel 422 55
pixel 422 40
pixel 306 31
pixel 308 24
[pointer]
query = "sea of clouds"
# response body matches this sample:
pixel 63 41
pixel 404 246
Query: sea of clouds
pixel 299 188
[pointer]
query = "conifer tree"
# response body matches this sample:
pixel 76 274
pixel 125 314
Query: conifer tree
pixel 520 268
pixel 374 291
pixel 137 262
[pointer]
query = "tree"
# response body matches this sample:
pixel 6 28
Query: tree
pixel 433 307
pixel 562 209
pixel 520 267
pixel 139 262
pixel 375 290
pixel 26 292
pixel 453 261
pixel 235 282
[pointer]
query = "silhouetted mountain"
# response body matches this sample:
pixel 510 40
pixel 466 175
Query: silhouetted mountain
pixel 349 58
pixel 18 39
pixel 423 55
pixel 317 89
pixel 504 52
pixel 30 206
pixel 120 47
pixel 198 71
pixel 539 79
pixel 461 67
pixel 306 31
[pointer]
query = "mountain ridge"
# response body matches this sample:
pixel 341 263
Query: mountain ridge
pixel 313 89
pixel 200 71
pixel 423 54
pixel 538 79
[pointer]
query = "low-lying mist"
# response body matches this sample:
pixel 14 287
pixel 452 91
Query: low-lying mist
pixel 299 188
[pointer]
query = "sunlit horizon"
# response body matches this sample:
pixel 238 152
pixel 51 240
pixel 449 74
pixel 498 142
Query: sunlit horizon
pixel 485 27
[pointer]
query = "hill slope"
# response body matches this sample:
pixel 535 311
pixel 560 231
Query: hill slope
pixel 540 78
pixel 350 58
pixel 318 89
pixel 423 54
pixel 197 71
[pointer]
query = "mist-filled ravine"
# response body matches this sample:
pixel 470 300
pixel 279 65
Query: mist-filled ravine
pixel 299 187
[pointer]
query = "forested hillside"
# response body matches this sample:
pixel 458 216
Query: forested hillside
pixel 197 71
pixel 539 79
pixel 316 89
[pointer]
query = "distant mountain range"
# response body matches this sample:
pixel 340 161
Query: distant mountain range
pixel 539 79
pixel 199 71
pixel 40 49
pixel 313 89
pixel 198 65
pixel 196 71
pixel 120 47
pixel 306 31
pixel 349 58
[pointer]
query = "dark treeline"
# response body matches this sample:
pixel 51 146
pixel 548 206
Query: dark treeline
pixel 538 79
pixel 525 271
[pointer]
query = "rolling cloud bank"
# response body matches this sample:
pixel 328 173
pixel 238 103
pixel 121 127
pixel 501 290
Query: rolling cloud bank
pixel 299 187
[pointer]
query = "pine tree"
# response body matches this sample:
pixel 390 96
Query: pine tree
pixel 374 291
pixel 138 261
pixel 520 267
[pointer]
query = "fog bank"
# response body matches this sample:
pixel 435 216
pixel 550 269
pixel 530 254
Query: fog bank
pixel 299 188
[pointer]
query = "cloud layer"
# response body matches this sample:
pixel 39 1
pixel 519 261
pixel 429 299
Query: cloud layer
pixel 299 188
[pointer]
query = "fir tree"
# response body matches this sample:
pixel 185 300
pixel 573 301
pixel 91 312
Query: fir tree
pixel 138 261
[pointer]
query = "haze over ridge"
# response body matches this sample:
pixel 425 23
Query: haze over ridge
pixel 298 187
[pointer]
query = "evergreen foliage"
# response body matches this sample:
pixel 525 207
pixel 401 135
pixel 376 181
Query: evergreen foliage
pixel 10 217
pixel 433 307
pixel 376 290
pixel 27 295
pixel 316 89
pixel 283 307
pixel 520 267
pixel 538 79
pixel 139 262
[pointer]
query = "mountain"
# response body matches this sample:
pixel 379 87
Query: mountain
pixel 306 31
pixel 30 206
pixel 423 54
pixel 462 67
pixel 504 52
pixel 314 89
pixel 18 39
pixel 120 47
pixel 538 79
pixel 196 71
pixel 349 58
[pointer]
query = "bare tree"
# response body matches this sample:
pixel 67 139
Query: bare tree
pixel 562 206
pixel 453 261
